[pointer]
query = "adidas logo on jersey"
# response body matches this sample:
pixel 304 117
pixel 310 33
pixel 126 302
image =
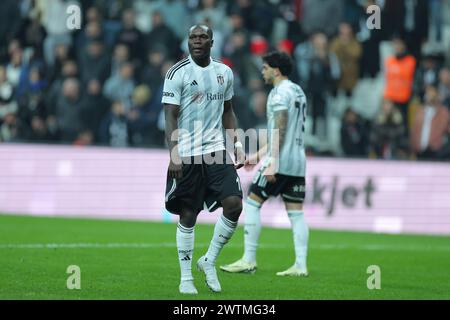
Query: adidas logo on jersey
pixel 194 83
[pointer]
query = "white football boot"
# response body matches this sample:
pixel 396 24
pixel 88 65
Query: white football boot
pixel 293 271
pixel 210 273
pixel 187 287
pixel 240 266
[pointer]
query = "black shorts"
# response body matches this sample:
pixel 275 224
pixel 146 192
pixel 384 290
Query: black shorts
pixel 203 186
pixel 292 189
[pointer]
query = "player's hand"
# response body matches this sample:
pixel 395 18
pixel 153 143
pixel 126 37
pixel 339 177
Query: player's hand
pixel 269 173
pixel 239 155
pixel 251 162
pixel 175 170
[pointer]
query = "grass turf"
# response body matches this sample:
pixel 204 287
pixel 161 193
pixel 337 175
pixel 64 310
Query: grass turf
pixel 412 267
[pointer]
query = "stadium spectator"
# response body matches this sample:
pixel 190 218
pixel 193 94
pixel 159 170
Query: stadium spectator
pixel 85 138
pixel 95 62
pixel 348 51
pixel 119 87
pixel 132 36
pixel 175 14
pixel 91 32
pixel 258 103
pixel 322 15
pixel 370 40
pixel 354 135
pixel 388 140
pixel 431 127
pixel 32 34
pixel 444 86
pixel 8 105
pixel 9 128
pixel 141 123
pixel 237 51
pixel 68 111
pixel 399 77
pixel 16 67
pixel 31 99
pixel 212 11
pixel 426 74
pixel 54 20
pixel 151 73
pixel 9 24
pixel 162 35
pixel 114 130
pixel 62 54
pixel 252 63
pixel 258 16
pixel 95 107
pixel 69 70
pixel 94 16
pixel 121 54
pixel 415 24
pixel 319 70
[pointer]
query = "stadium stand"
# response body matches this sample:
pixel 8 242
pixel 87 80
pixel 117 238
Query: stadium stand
pixel 102 84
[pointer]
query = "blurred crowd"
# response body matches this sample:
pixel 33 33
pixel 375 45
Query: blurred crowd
pixel 102 84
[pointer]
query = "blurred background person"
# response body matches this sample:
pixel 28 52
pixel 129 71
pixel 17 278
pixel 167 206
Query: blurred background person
pixel 348 52
pixel 387 139
pixel 430 130
pixel 354 135
pixel 319 71
pixel 399 78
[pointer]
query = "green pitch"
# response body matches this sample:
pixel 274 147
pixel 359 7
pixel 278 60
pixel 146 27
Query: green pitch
pixel 138 260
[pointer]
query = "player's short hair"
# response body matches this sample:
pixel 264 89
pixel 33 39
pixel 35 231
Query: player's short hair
pixel 280 60
pixel 207 29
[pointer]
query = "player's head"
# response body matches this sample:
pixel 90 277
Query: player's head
pixel 200 41
pixel 276 64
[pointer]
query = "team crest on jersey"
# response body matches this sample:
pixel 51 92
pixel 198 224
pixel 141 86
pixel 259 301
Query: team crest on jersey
pixel 220 79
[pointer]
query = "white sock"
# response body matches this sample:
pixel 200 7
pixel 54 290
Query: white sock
pixel 252 229
pixel 185 246
pixel 301 234
pixel 223 231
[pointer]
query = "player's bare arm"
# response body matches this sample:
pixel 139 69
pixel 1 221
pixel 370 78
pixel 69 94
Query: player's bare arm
pixel 253 159
pixel 281 120
pixel 229 121
pixel 172 113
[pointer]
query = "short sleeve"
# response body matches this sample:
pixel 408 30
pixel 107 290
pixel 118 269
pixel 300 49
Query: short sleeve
pixel 279 101
pixel 229 90
pixel 172 89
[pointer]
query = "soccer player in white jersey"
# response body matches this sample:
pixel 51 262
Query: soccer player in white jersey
pixel 197 102
pixel 283 171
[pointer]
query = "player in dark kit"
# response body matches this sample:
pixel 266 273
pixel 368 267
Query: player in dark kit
pixel 197 102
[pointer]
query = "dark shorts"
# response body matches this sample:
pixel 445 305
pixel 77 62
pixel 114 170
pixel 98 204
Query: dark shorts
pixel 203 186
pixel 291 189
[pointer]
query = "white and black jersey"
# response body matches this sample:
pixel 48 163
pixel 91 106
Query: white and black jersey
pixel 289 96
pixel 200 93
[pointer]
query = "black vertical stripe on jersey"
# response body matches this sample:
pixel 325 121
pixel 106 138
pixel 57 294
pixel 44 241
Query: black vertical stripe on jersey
pixel 176 65
pixel 218 61
pixel 172 73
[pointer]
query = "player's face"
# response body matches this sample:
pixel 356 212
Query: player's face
pixel 199 43
pixel 268 73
